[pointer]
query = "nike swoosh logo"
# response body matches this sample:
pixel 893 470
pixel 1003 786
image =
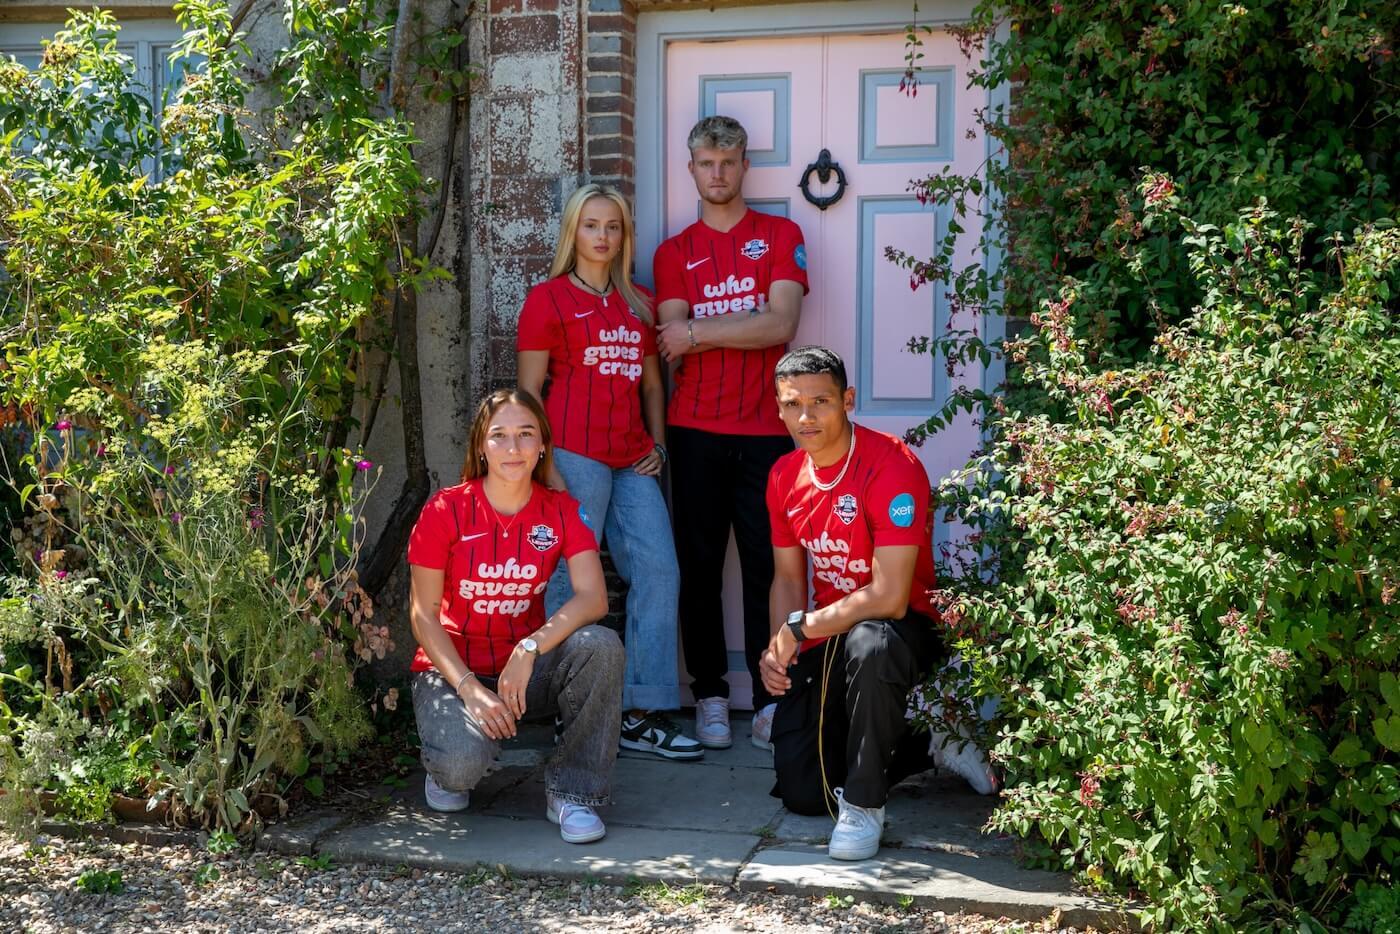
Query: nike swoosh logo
pixel 467 538
pixel 697 263
pixel 584 315
pixel 795 509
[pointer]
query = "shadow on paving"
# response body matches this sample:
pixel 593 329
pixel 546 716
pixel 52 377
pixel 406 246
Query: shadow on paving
pixel 710 821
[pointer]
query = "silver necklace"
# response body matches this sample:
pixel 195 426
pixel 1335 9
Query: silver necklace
pixel 828 487
pixel 603 294
pixel 505 529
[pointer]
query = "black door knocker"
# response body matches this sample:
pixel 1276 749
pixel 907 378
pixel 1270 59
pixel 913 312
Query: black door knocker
pixel 823 167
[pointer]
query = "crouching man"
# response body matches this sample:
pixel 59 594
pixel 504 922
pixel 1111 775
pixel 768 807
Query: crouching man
pixel 856 502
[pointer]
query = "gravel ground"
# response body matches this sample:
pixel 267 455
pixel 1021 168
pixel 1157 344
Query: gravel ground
pixel 166 889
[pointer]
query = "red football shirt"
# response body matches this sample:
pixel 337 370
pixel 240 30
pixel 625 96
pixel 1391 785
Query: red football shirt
pixel 884 499
pixel 596 347
pixel 724 390
pixel 493 581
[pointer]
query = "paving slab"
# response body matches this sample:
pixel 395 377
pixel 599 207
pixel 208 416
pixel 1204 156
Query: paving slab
pixel 927 811
pixel 944 881
pixel 460 842
pixel 299 836
pixel 653 793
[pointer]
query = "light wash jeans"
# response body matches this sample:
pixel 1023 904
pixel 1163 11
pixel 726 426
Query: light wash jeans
pixel 628 511
pixel 580 680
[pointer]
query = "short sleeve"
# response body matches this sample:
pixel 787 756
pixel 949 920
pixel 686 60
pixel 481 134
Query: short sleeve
pixel 897 501
pixel 666 269
pixel 539 325
pixel 431 538
pixel 791 259
pixel 777 516
pixel 578 537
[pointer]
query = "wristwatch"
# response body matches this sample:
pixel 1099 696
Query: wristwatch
pixel 530 645
pixel 794 625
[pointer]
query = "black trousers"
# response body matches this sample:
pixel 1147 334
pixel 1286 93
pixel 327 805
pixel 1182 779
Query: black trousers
pixel 866 745
pixel 718 482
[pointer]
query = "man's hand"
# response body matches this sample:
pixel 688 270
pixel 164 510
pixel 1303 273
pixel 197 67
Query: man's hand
pixel 673 340
pixel 515 677
pixel 773 664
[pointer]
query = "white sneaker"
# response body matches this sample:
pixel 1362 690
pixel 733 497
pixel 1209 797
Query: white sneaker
pixel 762 732
pixel 578 823
pixel 440 799
pixel 857 831
pixel 712 723
pixel 966 758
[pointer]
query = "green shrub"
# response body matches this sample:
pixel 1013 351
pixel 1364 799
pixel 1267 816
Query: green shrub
pixel 1187 593
pixel 180 350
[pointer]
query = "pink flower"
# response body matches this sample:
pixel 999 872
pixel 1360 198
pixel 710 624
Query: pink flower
pixel 176 518
pixel 255 518
pixel 169 471
pixel 363 465
pixel 63 425
pixel 1057 8
pixel 102 450
pixel 60 575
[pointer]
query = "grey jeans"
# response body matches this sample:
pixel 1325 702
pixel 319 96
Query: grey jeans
pixel 580 680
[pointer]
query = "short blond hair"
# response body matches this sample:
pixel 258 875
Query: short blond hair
pixel 718 132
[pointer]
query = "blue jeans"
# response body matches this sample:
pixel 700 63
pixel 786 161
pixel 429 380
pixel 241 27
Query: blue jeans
pixel 628 511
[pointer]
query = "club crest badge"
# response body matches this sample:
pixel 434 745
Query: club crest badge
pixel 542 537
pixel 845 508
pixel 754 248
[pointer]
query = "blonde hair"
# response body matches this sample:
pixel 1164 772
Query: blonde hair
pixel 621 269
pixel 718 132
pixel 474 465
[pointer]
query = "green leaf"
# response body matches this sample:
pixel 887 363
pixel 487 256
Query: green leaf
pixel 1388 732
pixel 1357 841
pixel 315 786
pixel 1349 753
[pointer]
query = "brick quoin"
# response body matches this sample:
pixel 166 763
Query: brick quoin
pixel 609 70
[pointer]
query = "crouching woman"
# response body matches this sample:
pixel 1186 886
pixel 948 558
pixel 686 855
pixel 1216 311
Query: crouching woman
pixel 480 556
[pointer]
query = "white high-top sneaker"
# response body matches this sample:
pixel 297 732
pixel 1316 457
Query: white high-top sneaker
pixel 857 831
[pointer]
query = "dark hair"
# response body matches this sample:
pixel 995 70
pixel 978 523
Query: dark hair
pixel 475 463
pixel 810 360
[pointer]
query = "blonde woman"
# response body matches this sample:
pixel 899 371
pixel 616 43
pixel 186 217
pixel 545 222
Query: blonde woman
pixel 589 331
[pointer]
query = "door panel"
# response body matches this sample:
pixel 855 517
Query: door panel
pixel 796 97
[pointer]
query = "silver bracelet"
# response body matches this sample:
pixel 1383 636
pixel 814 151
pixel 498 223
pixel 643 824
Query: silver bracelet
pixel 463 680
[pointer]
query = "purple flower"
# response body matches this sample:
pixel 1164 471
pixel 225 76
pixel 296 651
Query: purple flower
pixel 255 518
pixel 175 518
pixel 363 465
pixel 169 471
pixel 102 450
pixel 63 425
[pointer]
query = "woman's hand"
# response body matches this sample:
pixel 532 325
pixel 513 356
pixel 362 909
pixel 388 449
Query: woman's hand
pixel 514 679
pixel 650 464
pixel 487 709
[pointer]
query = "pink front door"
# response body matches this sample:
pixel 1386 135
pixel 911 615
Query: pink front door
pixel 796 97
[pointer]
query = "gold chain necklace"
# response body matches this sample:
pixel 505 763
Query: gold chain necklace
pixel 828 487
pixel 505 529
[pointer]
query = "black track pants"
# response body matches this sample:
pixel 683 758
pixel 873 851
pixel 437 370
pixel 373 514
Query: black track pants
pixel 867 745
pixel 718 482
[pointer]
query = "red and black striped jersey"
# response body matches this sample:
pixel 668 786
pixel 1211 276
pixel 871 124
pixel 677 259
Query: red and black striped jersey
pixel 596 346
pixel 725 390
pixel 884 499
pixel 494 569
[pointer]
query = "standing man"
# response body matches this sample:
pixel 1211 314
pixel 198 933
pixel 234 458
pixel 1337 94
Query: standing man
pixel 729 292
pixel 856 502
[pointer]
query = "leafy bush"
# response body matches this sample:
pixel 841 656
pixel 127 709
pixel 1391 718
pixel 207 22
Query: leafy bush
pixel 179 350
pixel 1188 590
pixel 1287 101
